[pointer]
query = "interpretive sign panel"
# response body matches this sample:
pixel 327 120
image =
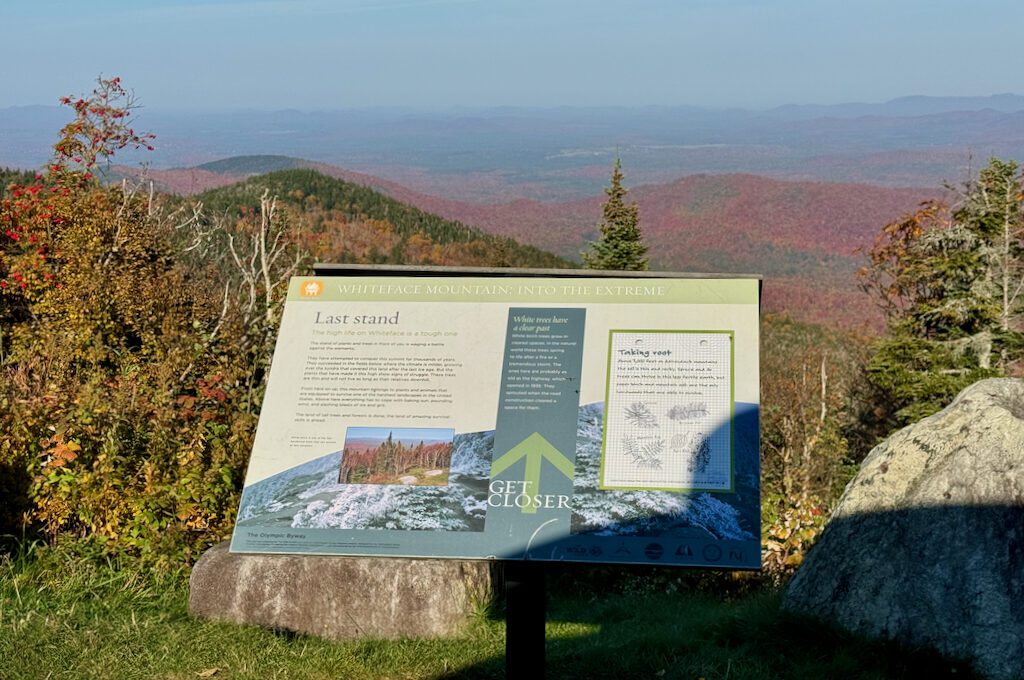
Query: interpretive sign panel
pixel 599 419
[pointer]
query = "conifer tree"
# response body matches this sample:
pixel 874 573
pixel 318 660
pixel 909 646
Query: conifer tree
pixel 951 281
pixel 621 245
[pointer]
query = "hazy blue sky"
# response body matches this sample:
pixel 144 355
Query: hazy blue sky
pixel 316 54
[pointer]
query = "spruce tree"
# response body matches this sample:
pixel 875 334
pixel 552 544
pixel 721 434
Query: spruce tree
pixel 621 245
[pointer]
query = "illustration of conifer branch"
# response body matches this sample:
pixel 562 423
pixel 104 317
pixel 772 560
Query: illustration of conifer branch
pixel 645 454
pixel 701 457
pixel 691 411
pixel 639 415
pixel 682 443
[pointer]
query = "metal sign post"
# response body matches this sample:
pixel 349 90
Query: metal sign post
pixel 525 614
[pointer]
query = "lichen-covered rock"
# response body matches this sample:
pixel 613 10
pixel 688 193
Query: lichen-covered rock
pixel 340 597
pixel 926 545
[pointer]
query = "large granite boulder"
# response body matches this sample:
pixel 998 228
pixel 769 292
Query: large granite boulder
pixel 341 597
pixel 927 543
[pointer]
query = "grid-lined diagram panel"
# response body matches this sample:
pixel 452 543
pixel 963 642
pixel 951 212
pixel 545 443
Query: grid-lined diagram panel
pixel 668 411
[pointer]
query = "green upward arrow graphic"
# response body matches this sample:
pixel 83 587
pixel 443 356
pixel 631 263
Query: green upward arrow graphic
pixel 533 448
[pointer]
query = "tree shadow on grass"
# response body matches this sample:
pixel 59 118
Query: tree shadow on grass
pixel 689 634
pixel 923 575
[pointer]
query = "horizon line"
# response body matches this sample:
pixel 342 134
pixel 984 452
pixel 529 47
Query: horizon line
pixel 455 107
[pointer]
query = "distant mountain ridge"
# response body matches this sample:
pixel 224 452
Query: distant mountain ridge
pixel 915 105
pixel 557 154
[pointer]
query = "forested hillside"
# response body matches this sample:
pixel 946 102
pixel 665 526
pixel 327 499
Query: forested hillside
pixel 346 222
pixel 806 238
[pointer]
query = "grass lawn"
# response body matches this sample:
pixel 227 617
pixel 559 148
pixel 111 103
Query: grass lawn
pixel 68 617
